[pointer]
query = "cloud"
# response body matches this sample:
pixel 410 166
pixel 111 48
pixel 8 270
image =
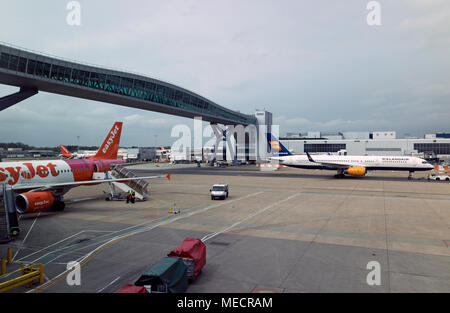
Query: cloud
pixel 316 66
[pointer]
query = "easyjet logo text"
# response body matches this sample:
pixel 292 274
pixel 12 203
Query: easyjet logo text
pixel 110 139
pixel 43 202
pixel 29 172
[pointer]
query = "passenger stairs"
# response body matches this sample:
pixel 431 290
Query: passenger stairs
pixel 139 186
pixel 9 223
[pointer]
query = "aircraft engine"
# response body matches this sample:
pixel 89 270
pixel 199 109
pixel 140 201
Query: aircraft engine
pixel 356 171
pixel 32 202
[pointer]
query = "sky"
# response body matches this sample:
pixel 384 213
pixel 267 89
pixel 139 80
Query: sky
pixel 316 65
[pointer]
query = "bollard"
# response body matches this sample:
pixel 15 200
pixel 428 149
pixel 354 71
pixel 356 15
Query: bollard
pixel 9 255
pixel 41 273
pixel 3 266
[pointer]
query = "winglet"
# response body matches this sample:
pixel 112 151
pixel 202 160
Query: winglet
pixel 168 176
pixel 309 157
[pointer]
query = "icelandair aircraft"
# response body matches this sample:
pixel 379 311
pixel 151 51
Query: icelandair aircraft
pixel 42 184
pixel 353 165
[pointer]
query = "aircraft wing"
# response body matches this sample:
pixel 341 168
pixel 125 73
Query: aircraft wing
pixel 330 164
pixel 43 187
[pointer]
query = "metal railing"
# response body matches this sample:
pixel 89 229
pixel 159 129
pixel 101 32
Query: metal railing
pixel 139 185
pixel 29 272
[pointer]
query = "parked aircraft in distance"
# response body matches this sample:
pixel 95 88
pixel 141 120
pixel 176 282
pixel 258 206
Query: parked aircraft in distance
pixel 66 154
pixel 354 165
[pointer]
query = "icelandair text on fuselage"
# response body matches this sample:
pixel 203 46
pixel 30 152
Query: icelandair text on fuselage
pixel 225 303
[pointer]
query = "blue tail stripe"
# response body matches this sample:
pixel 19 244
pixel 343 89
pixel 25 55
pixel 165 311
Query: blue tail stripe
pixel 275 145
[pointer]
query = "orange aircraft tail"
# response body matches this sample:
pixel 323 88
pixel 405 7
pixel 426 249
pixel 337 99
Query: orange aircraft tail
pixel 110 147
pixel 65 153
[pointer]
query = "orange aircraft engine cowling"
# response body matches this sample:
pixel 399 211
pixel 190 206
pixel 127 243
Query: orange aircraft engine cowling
pixel 32 202
pixel 356 171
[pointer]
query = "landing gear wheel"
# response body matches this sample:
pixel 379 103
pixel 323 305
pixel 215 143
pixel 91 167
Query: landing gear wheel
pixel 58 206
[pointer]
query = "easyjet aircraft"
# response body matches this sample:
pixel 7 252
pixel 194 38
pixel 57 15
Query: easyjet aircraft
pixel 354 165
pixel 66 154
pixel 42 184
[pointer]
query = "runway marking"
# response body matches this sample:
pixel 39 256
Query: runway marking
pixel 87 257
pixel 26 236
pixel 58 242
pixel 108 285
pixel 212 235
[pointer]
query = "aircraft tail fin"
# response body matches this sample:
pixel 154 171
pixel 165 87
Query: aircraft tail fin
pixel 110 146
pixel 64 152
pixel 276 146
pixel 309 157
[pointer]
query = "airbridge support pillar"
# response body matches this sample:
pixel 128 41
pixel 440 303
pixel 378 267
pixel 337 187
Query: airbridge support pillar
pixel 264 120
pixel 220 145
pixel 235 142
pixel 22 94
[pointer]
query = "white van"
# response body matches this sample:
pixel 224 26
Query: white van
pixel 219 191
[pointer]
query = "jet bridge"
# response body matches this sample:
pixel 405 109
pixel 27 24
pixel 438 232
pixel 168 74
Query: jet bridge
pixel 9 223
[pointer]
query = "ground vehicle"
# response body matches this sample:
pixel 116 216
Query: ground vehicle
pixel 434 176
pixel 219 191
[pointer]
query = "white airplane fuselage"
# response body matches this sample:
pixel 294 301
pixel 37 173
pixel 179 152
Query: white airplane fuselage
pixel 333 162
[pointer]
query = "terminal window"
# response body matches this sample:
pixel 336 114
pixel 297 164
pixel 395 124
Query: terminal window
pixel 437 148
pixel 324 147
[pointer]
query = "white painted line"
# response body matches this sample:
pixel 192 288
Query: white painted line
pixel 53 259
pixel 212 235
pixel 165 221
pixel 140 231
pixel 51 245
pixel 26 236
pixel 108 284
pixel 64 239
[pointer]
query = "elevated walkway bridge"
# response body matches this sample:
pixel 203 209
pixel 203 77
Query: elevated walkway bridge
pixel 33 72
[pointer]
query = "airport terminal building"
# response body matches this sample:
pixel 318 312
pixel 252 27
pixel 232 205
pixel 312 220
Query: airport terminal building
pixel 431 146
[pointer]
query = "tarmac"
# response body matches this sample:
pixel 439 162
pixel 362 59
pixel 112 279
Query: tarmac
pixel 289 230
